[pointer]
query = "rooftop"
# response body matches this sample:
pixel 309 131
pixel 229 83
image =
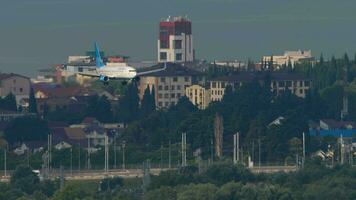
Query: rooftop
pixel 6 76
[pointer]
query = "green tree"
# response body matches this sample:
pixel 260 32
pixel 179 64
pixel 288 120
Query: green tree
pixel 24 179
pixel 128 109
pixel 77 191
pixel 197 192
pixel 9 102
pixel 146 103
pixel 26 129
pixel 100 108
pixel 32 106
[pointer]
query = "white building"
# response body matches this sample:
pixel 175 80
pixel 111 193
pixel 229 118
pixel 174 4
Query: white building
pixel 175 43
pixel 291 57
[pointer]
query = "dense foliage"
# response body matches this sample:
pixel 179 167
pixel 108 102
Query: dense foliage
pixel 26 129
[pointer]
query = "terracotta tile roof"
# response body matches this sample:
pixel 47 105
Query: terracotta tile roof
pixel 6 76
pixel 89 120
pixel 61 92
pixel 75 133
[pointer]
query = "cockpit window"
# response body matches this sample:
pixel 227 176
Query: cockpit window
pixel 132 70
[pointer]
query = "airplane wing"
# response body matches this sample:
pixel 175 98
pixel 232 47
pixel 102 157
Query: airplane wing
pixel 152 71
pixel 89 74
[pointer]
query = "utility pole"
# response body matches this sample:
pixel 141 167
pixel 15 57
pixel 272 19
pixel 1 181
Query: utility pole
pixel 123 155
pixel 28 157
pixel 71 161
pixel 115 163
pixel 303 150
pixel 236 158
pixel 5 167
pixel 259 153
pixel 79 159
pixel 184 149
pixel 169 155
pixel 342 150
pixel 161 161
pixel 106 154
pixel 88 152
pixel 212 150
pixel 49 158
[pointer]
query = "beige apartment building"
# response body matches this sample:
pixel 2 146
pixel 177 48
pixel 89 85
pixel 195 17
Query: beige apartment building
pixel 169 84
pixel 198 95
pixel 296 83
pixel 291 57
pixel 16 84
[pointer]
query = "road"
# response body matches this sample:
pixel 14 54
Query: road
pixel 132 173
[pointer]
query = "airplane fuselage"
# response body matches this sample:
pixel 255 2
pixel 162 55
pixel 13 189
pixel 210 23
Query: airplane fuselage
pixel 117 71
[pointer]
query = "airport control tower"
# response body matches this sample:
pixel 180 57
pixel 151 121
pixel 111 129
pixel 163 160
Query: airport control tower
pixel 175 42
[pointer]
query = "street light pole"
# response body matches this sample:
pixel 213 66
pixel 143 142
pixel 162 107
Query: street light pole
pixel 71 161
pixel 123 155
pixel 5 172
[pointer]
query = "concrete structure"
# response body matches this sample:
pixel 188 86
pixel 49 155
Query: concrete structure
pixel 291 57
pixel 296 83
pixel 230 63
pixel 169 84
pixel 16 84
pixel 7 116
pixel 198 95
pixel 175 43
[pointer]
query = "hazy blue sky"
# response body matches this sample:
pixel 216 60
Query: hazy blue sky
pixel 36 33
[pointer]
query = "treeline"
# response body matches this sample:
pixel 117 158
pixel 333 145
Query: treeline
pixel 225 181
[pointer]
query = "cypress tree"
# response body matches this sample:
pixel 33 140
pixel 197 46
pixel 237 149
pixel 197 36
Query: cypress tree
pixel 153 99
pixel 9 102
pixel 146 102
pixel 32 107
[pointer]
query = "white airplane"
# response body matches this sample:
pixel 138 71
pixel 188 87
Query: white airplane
pixel 115 71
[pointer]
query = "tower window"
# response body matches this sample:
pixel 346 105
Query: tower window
pixel 178 56
pixel 177 44
pixel 163 55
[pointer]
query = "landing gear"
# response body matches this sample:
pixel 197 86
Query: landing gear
pixel 137 79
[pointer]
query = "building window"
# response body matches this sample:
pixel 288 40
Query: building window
pixel 177 44
pixel 173 95
pixel 213 85
pixel 160 87
pixel 80 69
pixel 306 83
pixel 159 95
pixel 166 96
pixel 289 84
pixel 301 91
pixel 160 104
pixel 281 84
pixel 178 87
pixel 222 84
pixel 178 56
pixel 163 44
pixel 163 55
pixel 186 79
pixel 166 104
pixel 175 79
pixel 21 89
pixel 166 87
pixel 163 79
pixel 173 88
pixel 178 95
pixel 14 81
